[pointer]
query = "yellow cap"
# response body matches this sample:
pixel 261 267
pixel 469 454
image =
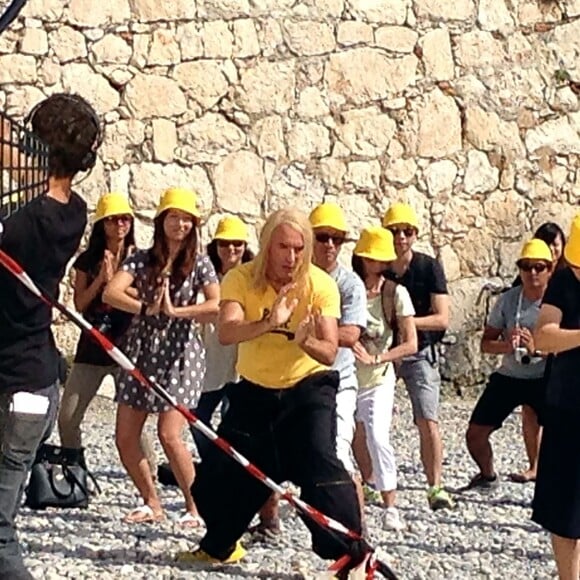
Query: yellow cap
pixel 572 248
pixel 112 204
pixel 400 213
pixel 328 215
pixel 178 198
pixel 536 249
pixel 231 228
pixel 376 243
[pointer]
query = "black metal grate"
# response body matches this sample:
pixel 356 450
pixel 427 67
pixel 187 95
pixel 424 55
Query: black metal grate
pixel 23 166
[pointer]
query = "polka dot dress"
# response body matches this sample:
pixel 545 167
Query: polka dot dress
pixel 168 349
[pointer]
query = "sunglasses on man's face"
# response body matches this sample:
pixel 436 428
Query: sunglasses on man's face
pixel 227 243
pixel 537 267
pixel 115 219
pixel 325 238
pixel 407 232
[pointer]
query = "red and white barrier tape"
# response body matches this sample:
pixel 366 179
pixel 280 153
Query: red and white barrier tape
pixel 123 361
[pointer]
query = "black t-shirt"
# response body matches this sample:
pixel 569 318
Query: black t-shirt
pixel 42 237
pixel 112 322
pixel 423 277
pixel 563 389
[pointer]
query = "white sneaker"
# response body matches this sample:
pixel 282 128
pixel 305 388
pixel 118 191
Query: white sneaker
pixel 392 520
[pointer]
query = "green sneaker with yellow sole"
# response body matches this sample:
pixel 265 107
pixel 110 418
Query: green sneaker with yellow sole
pixel 439 499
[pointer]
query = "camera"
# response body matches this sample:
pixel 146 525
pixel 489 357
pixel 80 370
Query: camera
pixel 522 355
pixel 104 325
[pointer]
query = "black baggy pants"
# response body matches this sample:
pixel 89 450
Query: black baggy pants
pixel 290 434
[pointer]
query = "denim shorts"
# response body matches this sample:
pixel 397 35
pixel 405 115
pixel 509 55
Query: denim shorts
pixel 420 372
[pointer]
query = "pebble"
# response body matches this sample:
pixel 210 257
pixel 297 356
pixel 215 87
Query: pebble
pixel 487 536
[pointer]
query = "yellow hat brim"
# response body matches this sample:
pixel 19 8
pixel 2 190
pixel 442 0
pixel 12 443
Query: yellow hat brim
pixel 232 237
pixel 376 256
pixel 572 255
pixel 113 206
pixel 187 209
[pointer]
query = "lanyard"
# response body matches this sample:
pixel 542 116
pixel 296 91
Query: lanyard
pixel 519 309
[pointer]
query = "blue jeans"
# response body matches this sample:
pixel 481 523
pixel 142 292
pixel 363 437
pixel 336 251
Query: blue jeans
pixel 207 404
pixel 20 436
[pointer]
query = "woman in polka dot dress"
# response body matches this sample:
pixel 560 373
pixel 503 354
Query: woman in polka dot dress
pixel 163 342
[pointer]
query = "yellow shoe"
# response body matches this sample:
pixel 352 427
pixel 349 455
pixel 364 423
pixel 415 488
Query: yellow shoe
pixel 200 557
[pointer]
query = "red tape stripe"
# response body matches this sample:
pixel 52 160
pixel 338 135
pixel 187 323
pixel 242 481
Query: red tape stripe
pixel 150 383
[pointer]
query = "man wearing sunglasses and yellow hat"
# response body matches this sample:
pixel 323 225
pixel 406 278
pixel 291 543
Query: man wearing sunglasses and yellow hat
pixel 520 378
pixel 425 280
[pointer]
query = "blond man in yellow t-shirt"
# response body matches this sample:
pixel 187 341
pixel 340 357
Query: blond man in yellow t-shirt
pixel 283 313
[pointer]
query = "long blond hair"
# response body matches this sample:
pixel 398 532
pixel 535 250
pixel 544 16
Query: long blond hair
pixel 298 221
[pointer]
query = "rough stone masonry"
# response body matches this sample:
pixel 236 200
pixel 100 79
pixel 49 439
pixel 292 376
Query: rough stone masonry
pixel 467 109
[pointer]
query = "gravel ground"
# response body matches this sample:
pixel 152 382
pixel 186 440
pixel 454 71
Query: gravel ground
pixel 488 535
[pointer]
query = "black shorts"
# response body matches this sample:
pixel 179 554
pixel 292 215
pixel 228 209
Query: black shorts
pixel 503 394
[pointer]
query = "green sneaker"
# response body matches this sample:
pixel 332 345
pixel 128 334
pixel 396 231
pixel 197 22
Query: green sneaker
pixel 371 495
pixel 439 499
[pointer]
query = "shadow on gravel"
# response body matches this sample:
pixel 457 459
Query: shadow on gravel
pixel 107 556
pixel 120 557
pixel 458 522
pixel 239 572
pixel 72 515
pixel 460 549
pixel 476 498
pixel 139 534
pixel 104 474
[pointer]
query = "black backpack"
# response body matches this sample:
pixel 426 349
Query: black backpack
pixel 422 268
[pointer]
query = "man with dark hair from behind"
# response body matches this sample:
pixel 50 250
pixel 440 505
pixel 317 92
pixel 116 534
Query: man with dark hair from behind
pixel 42 237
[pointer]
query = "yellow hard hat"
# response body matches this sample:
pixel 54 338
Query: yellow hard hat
pixel 179 198
pixel 400 213
pixel 536 249
pixel 572 248
pixel 112 204
pixel 328 215
pixel 376 243
pixel 231 228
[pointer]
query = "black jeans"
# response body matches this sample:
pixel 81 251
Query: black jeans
pixel 207 404
pixel 20 436
pixel 290 434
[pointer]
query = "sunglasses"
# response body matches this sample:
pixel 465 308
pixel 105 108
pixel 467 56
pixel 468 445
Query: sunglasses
pixel 538 268
pixel 325 238
pixel 115 219
pixel 227 243
pixel 407 232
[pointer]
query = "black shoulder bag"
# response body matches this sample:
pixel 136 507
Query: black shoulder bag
pixel 59 478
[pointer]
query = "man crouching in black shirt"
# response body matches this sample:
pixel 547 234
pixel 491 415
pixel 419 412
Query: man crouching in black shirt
pixel 43 236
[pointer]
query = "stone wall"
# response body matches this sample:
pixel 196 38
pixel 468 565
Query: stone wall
pixel 467 109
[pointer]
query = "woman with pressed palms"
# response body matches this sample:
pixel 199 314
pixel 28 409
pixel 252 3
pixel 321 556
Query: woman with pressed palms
pixel 164 342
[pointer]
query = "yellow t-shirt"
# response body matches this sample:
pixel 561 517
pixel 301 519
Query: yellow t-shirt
pixel 274 359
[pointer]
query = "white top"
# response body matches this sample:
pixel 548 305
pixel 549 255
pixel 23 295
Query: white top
pixel 378 338
pixel 220 360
